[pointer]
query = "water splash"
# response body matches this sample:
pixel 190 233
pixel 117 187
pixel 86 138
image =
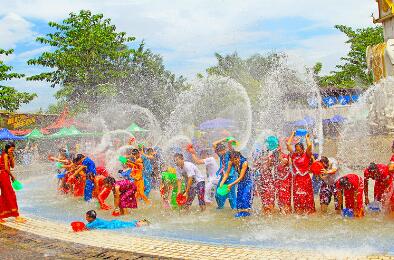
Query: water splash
pixel 209 99
pixel 368 132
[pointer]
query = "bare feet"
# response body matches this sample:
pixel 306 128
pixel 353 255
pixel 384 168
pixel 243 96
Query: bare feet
pixel 20 219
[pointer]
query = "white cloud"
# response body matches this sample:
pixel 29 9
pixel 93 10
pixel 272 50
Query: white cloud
pixel 14 29
pixel 32 53
pixel 325 49
pixel 188 32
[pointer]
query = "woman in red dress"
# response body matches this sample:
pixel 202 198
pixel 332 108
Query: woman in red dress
pixel 8 204
pixel 302 184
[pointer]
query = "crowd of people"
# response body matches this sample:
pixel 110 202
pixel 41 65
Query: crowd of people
pixel 280 176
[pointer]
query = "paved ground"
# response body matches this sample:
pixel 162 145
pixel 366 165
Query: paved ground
pixel 41 239
pixel 16 244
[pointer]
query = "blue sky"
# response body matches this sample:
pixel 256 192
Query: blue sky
pixel 188 33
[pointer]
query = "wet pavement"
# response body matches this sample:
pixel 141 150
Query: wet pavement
pixel 15 244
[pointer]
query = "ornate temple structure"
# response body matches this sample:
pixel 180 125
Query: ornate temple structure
pixel 380 57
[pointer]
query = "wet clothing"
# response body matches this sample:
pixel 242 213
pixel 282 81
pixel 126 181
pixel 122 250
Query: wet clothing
pixel 90 173
pixel 147 173
pixel 110 224
pixel 232 195
pixel 327 189
pixel 8 203
pixel 199 190
pixel 326 194
pixel 212 181
pixel 137 174
pixel 383 181
pixel 245 187
pixel 127 197
pixel 357 185
pixel 198 185
pixel 302 186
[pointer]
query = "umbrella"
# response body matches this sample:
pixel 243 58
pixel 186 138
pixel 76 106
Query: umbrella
pixel 5 134
pixel 337 119
pixel 217 123
pixel 35 134
pixel 135 128
pixel 67 132
pixel 307 121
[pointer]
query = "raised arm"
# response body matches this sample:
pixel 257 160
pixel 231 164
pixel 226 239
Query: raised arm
pixel 196 160
pixel 366 190
pixel 214 144
pixel 290 142
pixel 227 173
pixel 308 145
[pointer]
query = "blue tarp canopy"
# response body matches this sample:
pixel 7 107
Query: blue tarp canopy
pixel 5 134
pixel 329 101
pixel 217 124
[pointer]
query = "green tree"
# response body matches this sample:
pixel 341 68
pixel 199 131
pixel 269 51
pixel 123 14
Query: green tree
pixel 87 55
pixel 148 84
pixel 250 72
pixel 354 70
pixel 10 98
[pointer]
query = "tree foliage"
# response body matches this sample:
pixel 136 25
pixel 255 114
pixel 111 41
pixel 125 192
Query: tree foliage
pixel 147 83
pixel 250 72
pixel 88 54
pixel 10 98
pixel 353 71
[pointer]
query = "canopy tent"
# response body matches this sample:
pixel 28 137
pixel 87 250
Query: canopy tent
pixel 135 128
pixel 337 119
pixel 62 121
pixel 5 135
pixel 66 132
pixel 35 134
pixel 217 124
pixel 21 132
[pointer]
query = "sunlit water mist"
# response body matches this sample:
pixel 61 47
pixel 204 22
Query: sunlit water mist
pixel 328 234
pixel 208 99
pixel 286 96
pixel 113 120
pixel 368 132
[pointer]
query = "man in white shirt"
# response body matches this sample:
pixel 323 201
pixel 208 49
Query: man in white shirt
pixel 212 168
pixel 194 179
pixel 329 175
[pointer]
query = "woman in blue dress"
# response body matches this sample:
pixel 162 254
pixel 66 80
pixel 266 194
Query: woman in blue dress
pixel 244 181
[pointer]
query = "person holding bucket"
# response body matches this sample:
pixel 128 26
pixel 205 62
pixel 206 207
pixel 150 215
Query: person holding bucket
pixel 194 179
pixel 244 183
pixel 224 159
pixel 329 174
pixel 8 202
pixel 302 183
